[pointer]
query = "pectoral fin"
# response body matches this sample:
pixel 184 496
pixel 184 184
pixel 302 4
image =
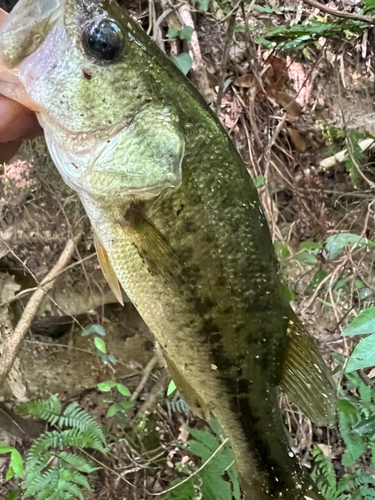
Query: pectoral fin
pixel 108 270
pixel 306 378
pixel 152 246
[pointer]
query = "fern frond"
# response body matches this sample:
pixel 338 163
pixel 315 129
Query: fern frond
pixel 43 443
pixel 81 439
pixel 78 478
pixel 78 462
pixel 46 493
pixel 49 410
pixel 35 482
pixel 73 490
pixel 73 416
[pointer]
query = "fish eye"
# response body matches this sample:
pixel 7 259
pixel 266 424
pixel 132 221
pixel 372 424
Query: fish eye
pixel 103 40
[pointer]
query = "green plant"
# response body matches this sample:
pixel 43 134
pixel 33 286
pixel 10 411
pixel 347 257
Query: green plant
pixel 350 486
pixel 299 36
pixel 100 346
pixel 363 355
pixel 356 155
pixel 120 403
pixel 217 480
pixel 16 463
pixel 55 467
pixel 357 420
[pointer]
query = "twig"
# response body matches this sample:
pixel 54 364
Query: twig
pixel 106 467
pixel 194 473
pixel 343 155
pixel 146 374
pixel 152 397
pixel 12 343
pixel 224 64
pixel 199 67
pixel 339 13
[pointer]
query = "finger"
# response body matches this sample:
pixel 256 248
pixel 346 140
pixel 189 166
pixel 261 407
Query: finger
pixel 3 16
pixel 9 149
pixel 16 121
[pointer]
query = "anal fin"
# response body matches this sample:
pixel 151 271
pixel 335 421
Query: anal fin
pixel 108 270
pixel 306 378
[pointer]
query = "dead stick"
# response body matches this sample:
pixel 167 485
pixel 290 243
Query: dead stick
pixel 339 13
pixel 146 374
pixel 12 343
pixel 224 64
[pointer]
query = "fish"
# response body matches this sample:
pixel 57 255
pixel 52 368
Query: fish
pixel 178 225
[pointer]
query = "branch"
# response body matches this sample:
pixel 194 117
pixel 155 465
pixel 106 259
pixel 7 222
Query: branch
pixel 12 343
pixel 340 13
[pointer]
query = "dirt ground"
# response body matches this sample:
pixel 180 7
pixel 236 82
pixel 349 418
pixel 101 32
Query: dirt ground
pixel 281 108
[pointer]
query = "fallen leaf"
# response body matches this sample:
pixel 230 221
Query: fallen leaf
pixel 290 105
pixel 297 139
pixel 245 81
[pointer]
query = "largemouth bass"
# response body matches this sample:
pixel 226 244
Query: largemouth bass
pixel 177 223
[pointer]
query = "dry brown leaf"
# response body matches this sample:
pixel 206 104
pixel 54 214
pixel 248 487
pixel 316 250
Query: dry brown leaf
pixel 297 139
pixel 325 449
pixel 289 104
pixel 372 373
pixel 245 81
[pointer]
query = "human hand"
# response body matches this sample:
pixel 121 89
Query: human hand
pixel 16 124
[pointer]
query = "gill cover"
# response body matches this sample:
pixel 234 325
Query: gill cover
pixel 102 140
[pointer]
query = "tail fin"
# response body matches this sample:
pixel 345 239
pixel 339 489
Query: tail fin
pixel 306 379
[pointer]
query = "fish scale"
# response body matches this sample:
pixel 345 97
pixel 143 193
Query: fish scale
pixel 177 223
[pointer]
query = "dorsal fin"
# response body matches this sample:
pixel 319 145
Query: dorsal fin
pixel 306 378
pixel 108 270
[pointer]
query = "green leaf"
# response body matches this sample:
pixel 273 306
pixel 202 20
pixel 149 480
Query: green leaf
pixel 16 463
pixel 263 8
pixel 10 474
pixel 259 181
pixel 100 345
pixel 5 449
pixel 282 250
pixel 363 324
pixel 107 385
pixel 184 63
pixel 203 4
pixel 183 34
pixel 306 256
pixel 171 388
pixel 122 389
pixel 112 359
pixel 354 442
pixel 363 355
pixel 337 242
pixel 12 495
pixel 311 245
pixel 186 33
pixel 316 280
pixel 365 426
pixel 127 404
pixel 98 329
pixel 112 410
pixel 172 33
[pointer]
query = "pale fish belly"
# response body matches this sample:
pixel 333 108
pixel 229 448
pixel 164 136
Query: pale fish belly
pixel 175 328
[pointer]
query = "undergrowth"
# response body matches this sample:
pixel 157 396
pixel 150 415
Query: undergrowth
pixel 56 469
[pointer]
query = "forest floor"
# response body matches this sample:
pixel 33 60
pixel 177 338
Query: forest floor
pixel 294 85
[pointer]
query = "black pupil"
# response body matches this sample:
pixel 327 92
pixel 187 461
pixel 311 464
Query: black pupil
pixel 103 40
